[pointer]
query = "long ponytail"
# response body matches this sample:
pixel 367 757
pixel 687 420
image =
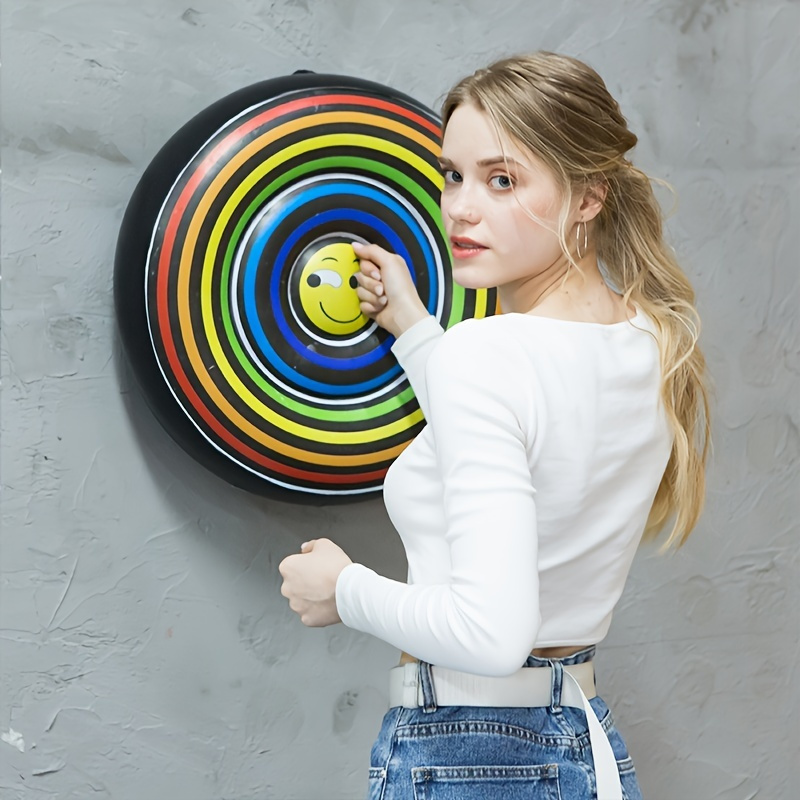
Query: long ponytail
pixel 630 244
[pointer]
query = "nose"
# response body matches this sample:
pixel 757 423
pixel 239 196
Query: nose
pixel 460 205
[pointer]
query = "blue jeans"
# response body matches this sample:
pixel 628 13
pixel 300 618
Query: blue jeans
pixel 472 753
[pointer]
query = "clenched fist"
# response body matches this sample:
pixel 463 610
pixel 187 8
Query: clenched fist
pixel 309 581
pixel 386 289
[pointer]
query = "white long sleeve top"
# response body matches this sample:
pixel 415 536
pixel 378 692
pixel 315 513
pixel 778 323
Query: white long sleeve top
pixel 522 502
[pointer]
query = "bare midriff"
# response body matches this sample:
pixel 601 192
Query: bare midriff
pixel 541 652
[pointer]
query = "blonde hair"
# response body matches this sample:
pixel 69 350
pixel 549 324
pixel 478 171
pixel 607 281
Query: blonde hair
pixel 560 110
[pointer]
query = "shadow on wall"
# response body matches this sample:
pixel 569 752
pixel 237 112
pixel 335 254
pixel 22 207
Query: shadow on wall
pixel 234 520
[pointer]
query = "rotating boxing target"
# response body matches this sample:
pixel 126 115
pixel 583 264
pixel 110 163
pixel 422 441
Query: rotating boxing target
pixel 235 287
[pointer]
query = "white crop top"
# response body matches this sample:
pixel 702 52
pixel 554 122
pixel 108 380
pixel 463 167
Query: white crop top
pixel 522 502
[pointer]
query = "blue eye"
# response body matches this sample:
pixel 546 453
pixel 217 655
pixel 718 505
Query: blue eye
pixel 501 182
pixel 451 176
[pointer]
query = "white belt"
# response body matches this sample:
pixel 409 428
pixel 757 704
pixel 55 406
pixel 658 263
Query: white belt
pixel 527 688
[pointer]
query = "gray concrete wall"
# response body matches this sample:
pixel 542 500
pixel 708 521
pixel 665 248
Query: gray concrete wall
pixel 146 650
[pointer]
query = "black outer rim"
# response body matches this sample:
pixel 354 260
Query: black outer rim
pixel 132 249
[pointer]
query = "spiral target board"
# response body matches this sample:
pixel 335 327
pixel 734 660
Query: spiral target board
pixel 250 314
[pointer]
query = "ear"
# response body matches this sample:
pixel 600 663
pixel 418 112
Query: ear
pixel 591 202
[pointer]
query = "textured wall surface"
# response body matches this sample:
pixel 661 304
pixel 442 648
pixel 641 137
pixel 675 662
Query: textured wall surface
pixel 145 649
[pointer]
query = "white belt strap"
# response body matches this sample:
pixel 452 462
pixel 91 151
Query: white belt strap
pixel 528 687
pixel 605 764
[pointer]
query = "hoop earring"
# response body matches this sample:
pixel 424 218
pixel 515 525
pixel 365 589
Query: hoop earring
pixel 585 238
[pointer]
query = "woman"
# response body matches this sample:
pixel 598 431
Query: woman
pixel 559 432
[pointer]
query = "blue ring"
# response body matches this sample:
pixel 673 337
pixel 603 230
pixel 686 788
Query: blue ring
pixel 250 271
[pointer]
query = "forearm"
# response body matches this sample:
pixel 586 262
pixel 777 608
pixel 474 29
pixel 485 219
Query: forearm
pixel 474 629
pixel 413 349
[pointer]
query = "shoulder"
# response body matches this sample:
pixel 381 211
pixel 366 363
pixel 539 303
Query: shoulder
pixel 488 335
pixel 489 347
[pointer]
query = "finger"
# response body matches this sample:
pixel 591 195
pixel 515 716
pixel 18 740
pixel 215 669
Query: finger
pixel 369 283
pixel 307 547
pixel 369 310
pixel 374 308
pixel 369 268
pixel 372 252
pixel 365 296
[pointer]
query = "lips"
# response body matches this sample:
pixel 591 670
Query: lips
pixel 463 241
pixel 462 247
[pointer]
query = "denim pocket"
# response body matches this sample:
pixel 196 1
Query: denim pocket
pixel 377 779
pixel 535 782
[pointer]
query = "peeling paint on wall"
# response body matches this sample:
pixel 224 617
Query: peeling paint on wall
pixel 14 738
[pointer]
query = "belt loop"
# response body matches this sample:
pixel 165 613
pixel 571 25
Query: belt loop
pixel 428 699
pixel 556 683
pixel 409 696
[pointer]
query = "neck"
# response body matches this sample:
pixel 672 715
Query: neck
pixel 558 284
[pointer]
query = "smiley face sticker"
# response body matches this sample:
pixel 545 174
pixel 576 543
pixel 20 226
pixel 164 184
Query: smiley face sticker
pixel 327 289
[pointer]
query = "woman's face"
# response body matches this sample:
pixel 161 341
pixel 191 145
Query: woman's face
pixel 478 204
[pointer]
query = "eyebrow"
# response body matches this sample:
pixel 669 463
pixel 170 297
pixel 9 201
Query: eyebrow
pixel 485 162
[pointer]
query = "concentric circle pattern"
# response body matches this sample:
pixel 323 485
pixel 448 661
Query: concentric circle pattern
pixel 249 291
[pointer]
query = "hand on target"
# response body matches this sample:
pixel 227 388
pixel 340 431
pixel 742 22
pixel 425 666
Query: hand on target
pixel 386 290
